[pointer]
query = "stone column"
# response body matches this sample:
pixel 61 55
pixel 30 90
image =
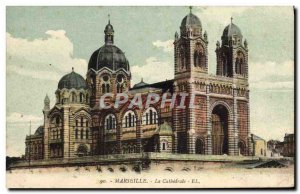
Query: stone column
pixel 118 138
pixel 139 148
pixel 191 141
pixel 66 132
pixel 72 136
pixel 249 146
pixel 175 143
pixel 175 123
pixel 235 123
pixel 191 120
pixel 46 135
pixel 208 147
pixel 231 136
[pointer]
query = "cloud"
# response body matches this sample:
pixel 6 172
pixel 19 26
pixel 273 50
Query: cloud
pixel 271 75
pixel 153 71
pixel 43 58
pixel 167 45
pixel 47 75
pixel 17 117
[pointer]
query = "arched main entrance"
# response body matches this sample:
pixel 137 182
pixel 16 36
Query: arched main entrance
pixel 199 146
pixel 219 130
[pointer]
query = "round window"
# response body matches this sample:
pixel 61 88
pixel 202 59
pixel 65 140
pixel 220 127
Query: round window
pixel 120 78
pixel 105 78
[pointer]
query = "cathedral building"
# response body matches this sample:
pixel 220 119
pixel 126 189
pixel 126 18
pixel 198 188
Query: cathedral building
pixel 218 124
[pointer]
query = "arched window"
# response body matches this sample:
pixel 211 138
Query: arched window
pixel 182 62
pixel 197 59
pixel 119 88
pixel 110 122
pixel 81 121
pixel 55 128
pixel 103 89
pixel 107 88
pixel 73 96
pixel 87 134
pixel 226 67
pixel 129 119
pixel 239 63
pixel 150 116
pixel 241 66
pixel 182 59
pixel 147 119
pixel 82 150
pixel 113 122
pixel 57 121
pixel 120 83
pixel 81 97
pixel 76 133
pixel 164 145
pixel 105 83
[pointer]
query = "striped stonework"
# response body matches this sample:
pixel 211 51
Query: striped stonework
pixel 119 138
pixel 138 136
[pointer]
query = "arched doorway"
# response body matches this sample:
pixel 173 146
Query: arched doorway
pixel 242 148
pixel 82 150
pixel 219 130
pixel 199 146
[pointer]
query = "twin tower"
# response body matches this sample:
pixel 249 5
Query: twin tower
pixel 191 50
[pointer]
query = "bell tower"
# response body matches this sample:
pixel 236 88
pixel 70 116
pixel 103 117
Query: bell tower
pixel 190 48
pixel 191 65
pixel 232 54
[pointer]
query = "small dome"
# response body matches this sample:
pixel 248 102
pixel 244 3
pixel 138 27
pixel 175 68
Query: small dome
pixel 190 20
pixel 72 80
pixel 39 130
pixel 190 25
pixel 164 129
pixel 140 84
pixel 108 56
pixel 232 30
pixel 232 33
pixel 109 28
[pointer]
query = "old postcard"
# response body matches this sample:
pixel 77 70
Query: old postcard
pixel 150 97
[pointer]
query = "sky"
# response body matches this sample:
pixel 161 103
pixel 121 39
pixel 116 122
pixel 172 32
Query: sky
pixel 65 37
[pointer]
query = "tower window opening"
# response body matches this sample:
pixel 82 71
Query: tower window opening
pixel 81 97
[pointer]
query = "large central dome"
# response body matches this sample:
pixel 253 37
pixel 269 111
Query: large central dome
pixel 109 55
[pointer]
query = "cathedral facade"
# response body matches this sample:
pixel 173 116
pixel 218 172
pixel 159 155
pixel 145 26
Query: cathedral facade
pixel 218 124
